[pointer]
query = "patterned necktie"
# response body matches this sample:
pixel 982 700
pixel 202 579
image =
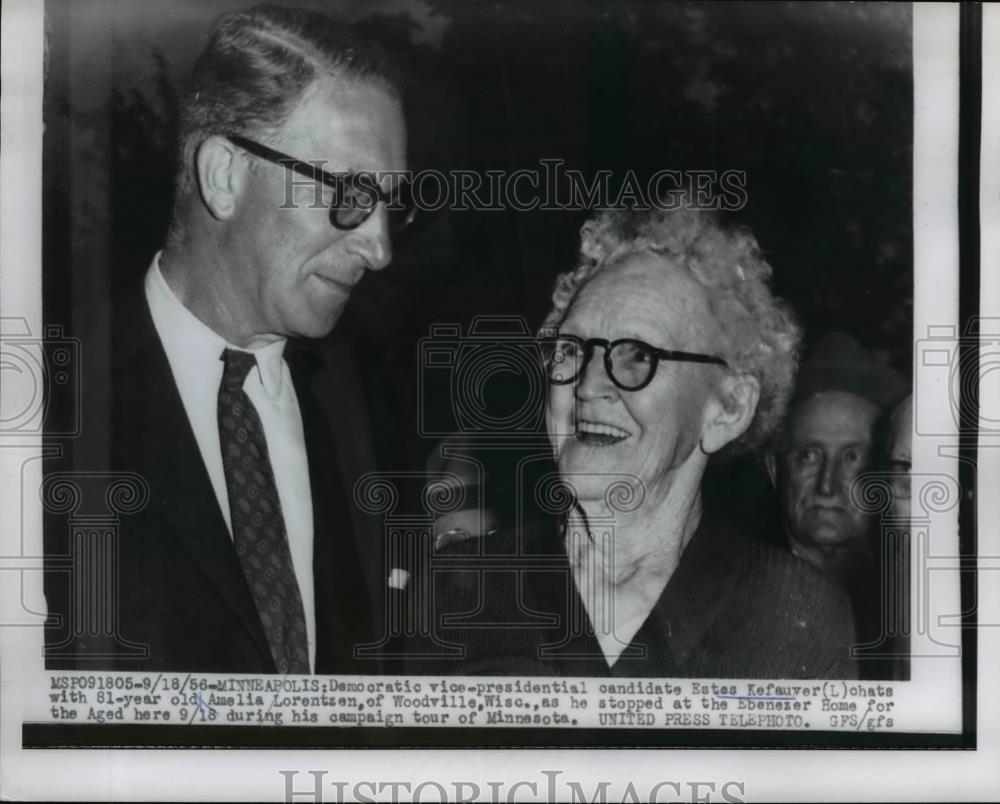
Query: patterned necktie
pixel 258 525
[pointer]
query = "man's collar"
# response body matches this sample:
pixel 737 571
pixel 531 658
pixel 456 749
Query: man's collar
pixel 835 561
pixel 189 335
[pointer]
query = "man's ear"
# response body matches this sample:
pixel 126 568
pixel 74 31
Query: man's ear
pixel 731 413
pixel 220 171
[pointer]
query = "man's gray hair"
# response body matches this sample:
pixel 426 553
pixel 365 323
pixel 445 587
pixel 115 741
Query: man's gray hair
pixel 255 68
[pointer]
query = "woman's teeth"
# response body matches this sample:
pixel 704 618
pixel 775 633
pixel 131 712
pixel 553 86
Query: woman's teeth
pixel 594 433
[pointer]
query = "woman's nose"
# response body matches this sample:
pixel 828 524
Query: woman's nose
pixel 593 381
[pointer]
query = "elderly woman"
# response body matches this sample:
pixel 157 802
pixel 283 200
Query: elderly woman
pixel 664 347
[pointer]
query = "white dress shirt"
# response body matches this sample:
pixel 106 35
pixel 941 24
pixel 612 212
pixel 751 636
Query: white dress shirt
pixel 194 352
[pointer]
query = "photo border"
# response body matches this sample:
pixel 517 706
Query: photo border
pixel 22 199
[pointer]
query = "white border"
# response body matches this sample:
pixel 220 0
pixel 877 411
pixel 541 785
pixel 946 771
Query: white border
pixel 774 775
pixel 21 37
pixel 989 450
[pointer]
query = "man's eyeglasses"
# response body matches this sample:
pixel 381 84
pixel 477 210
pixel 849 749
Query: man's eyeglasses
pixel 630 363
pixel 356 195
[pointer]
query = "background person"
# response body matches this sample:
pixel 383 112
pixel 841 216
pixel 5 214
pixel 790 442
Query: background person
pixel 899 455
pixel 476 517
pixel 827 441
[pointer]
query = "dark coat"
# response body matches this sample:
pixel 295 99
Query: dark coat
pixel 178 600
pixel 733 608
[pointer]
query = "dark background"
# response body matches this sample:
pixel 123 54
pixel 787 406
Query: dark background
pixel 813 100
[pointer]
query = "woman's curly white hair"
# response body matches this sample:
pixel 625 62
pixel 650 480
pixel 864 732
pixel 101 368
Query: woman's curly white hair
pixel 760 334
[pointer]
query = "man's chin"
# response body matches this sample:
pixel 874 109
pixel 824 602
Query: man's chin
pixel 826 535
pixel 318 323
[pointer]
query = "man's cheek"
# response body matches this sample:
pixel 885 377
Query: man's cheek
pixel 797 491
pixel 858 518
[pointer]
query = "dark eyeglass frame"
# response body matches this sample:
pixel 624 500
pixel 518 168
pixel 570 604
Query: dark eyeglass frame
pixel 588 345
pixel 337 181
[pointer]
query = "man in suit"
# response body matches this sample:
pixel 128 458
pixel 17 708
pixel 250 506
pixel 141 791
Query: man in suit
pixel 244 434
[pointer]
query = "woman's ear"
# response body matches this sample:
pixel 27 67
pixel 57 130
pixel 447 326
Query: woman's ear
pixel 220 173
pixel 730 412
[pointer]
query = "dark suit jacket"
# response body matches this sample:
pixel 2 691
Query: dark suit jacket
pixel 174 597
pixel 732 609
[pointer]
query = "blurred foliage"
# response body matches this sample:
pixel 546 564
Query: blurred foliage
pixel 813 100
pixel 144 123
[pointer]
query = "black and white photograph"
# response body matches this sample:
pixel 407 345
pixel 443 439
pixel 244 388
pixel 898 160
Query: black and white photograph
pixel 462 376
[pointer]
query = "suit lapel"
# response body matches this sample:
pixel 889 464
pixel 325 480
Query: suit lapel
pixel 342 600
pixel 339 392
pixel 159 439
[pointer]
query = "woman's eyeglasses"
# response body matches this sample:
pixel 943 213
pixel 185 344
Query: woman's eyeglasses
pixel 630 363
pixel 356 195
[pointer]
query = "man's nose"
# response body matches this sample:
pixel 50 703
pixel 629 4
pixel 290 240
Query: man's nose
pixel 829 482
pixel 374 243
